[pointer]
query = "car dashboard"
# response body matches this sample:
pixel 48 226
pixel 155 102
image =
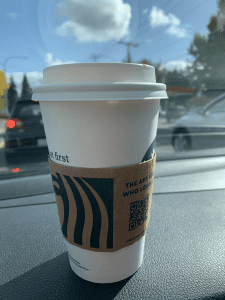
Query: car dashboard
pixel 184 254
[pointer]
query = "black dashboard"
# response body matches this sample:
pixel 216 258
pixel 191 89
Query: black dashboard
pixel 184 254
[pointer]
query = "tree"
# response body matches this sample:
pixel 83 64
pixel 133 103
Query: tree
pixel 4 86
pixel 160 77
pixel 12 95
pixel 208 69
pixel 26 90
pixel 175 78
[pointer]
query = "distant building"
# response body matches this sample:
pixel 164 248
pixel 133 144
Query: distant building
pixel 176 90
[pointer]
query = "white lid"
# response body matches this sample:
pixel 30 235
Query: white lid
pixel 99 81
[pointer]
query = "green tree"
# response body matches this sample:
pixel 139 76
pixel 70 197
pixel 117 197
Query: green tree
pixel 160 76
pixel 208 69
pixel 175 78
pixel 12 95
pixel 4 86
pixel 26 90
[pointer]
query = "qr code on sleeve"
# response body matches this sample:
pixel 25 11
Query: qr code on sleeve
pixel 138 213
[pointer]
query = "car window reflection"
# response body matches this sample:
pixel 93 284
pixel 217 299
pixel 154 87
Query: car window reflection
pixel 30 110
pixel 218 107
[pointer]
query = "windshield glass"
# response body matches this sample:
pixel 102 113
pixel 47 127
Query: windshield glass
pixel 183 40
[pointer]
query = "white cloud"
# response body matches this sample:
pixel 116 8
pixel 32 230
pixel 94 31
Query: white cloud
pixel 53 62
pixel 178 31
pixel 91 20
pixel 179 65
pixel 188 26
pixel 12 15
pixel 34 78
pixel 159 18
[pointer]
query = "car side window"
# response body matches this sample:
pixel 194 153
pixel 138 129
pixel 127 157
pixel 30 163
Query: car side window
pixel 218 107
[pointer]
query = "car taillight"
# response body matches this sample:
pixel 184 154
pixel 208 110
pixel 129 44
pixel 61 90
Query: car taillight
pixel 14 124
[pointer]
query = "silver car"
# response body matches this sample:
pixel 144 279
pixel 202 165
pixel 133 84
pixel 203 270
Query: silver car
pixel 201 128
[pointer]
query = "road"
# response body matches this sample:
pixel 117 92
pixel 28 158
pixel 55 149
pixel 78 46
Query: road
pixel 38 163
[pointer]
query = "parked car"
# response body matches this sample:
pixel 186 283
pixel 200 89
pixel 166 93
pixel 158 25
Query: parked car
pixel 24 129
pixel 175 112
pixel 201 128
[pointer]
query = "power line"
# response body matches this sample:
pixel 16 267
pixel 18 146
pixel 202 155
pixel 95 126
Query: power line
pixel 159 32
pixel 172 43
pixel 177 4
pixel 202 47
pixel 165 4
pixel 194 8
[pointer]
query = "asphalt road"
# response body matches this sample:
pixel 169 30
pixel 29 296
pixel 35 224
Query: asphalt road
pixel 37 162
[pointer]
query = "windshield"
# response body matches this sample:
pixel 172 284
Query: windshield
pixel 183 40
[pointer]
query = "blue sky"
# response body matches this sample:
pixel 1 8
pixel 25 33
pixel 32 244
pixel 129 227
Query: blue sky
pixel 51 32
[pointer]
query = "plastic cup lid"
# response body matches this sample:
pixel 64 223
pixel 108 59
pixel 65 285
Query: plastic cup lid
pixel 99 81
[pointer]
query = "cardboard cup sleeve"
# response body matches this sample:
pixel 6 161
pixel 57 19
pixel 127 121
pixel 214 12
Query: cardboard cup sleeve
pixel 103 209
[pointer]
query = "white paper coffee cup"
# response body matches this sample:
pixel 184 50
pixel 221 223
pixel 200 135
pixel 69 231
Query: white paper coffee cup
pixel 101 115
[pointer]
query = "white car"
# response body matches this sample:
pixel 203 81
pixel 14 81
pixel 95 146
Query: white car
pixel 201 128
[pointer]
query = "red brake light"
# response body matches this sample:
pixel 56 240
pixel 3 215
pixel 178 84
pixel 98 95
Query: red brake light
pixel 14 124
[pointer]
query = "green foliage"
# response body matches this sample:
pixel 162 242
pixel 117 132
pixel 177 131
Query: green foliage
pixel 208 68
pixel 4 86
pixel 26 90
pixel 221 5
pixel 12 95
pixel 175 78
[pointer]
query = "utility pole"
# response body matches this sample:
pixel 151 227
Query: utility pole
pixel 128 49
